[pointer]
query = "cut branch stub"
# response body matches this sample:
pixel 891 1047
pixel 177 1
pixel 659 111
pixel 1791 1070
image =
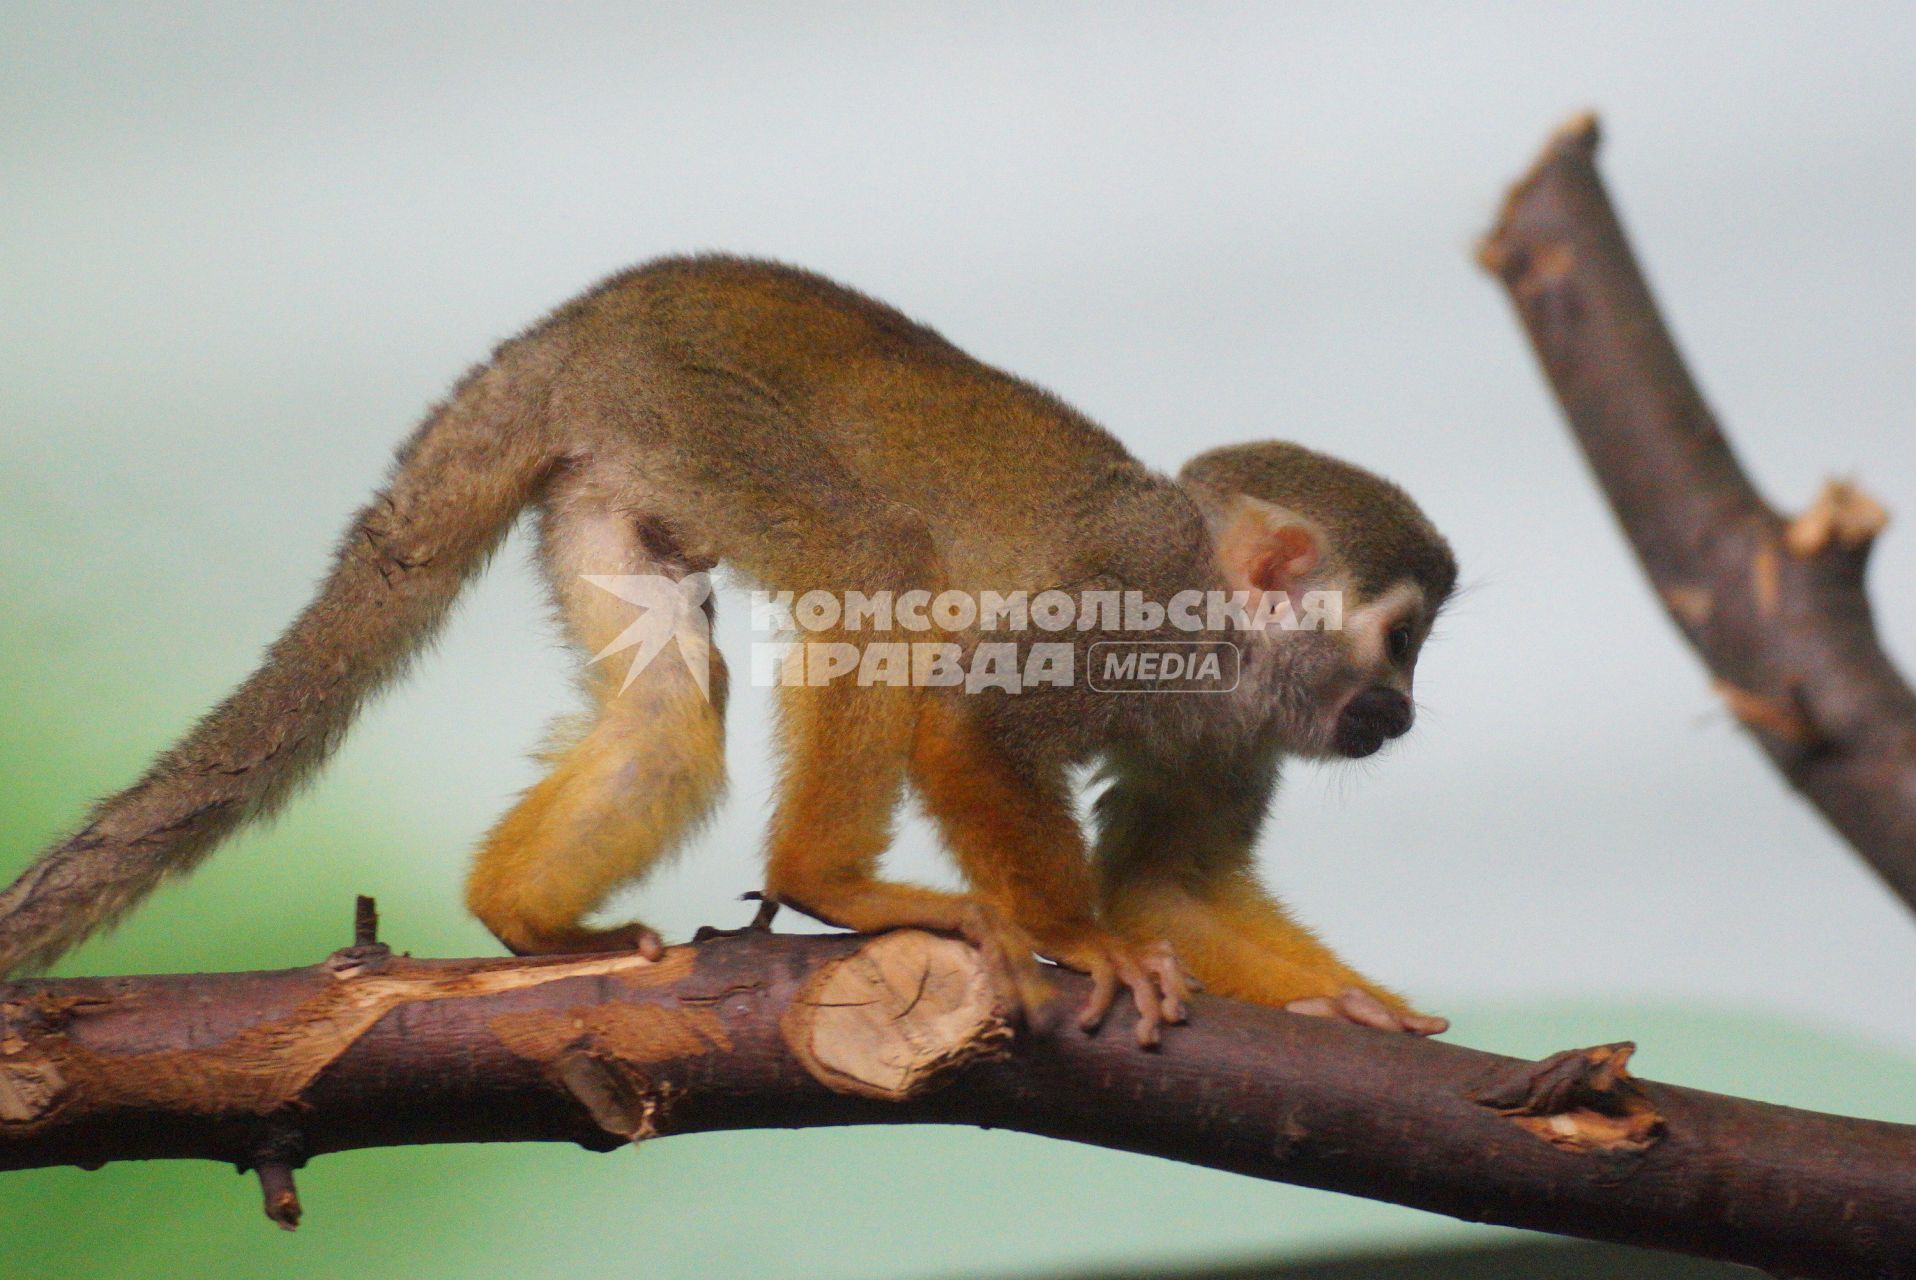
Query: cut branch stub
pixel 1843 517
pixel 617 1100
pixel 898 1016
pixel 365 922
pixel 280 1196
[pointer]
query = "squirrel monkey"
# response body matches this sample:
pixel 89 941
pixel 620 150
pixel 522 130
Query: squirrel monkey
pixel 713 410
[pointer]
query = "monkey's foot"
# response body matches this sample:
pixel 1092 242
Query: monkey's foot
pixel 1158 984
pixel 761 921
pixel 1009 956
pixel 576 941
pixel 1354 1004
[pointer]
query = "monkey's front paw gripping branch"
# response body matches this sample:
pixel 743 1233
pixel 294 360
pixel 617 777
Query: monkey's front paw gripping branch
pixel 268 1070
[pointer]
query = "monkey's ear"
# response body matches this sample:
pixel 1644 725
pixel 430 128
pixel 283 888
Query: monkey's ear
pixel 1264 547
pixel 1290 552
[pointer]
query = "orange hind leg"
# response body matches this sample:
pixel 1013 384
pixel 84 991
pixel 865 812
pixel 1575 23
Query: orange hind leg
pixel 646 771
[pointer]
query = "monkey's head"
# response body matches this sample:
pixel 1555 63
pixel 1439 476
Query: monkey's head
pixel 1350 575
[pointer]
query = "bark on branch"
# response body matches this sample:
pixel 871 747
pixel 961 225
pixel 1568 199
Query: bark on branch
pixel 1775 607
pixel 268 1070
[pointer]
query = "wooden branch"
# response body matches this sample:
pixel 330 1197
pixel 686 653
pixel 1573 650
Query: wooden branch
pixel 268 1070
pixel 1776 608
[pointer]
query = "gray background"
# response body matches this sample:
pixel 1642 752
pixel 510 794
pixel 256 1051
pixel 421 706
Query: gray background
pixel 243 247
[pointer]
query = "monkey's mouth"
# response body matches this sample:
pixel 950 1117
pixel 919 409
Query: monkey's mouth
pixel 1354 745
pixel 1370 719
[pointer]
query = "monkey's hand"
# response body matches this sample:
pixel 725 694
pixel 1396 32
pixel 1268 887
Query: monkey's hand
pixel 1150 971
pixel 1354 1004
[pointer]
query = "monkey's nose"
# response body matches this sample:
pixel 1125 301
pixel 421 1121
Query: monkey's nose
pixel 1395 712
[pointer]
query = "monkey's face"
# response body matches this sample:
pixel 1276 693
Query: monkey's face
pixel 1381 641
pixel 1343 692
pixel 1334 665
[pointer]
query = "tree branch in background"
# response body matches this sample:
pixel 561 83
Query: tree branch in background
pixel 1775 607
pixel 268 1070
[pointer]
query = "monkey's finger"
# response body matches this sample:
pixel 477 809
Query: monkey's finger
pixel 1366 1010
pixel 1014 971
pixel 1162 964
pixel 1021 959
pixel 1145 996
pixel 1104 988
pixel 1315 1007
pixel 650 944
pixel 1034 991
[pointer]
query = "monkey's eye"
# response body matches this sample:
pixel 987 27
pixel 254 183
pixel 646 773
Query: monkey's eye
pixel 1398 642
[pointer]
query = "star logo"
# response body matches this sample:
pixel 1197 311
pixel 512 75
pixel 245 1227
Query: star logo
pixel 671 609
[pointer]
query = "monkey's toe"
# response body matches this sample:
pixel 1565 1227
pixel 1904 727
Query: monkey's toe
pixel 579 941
pixel 1152 974
pixel 1355 1005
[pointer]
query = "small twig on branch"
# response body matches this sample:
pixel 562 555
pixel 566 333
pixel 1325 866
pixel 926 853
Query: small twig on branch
pixel 281 1149
pixel 282 1198
pixel 365 922
pixel 267 1070
pixel 1775 607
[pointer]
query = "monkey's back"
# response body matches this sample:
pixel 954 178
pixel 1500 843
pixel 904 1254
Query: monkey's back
pixel 762 385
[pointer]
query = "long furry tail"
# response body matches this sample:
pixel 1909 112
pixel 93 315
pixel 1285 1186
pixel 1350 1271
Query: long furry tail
pixel 455 490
